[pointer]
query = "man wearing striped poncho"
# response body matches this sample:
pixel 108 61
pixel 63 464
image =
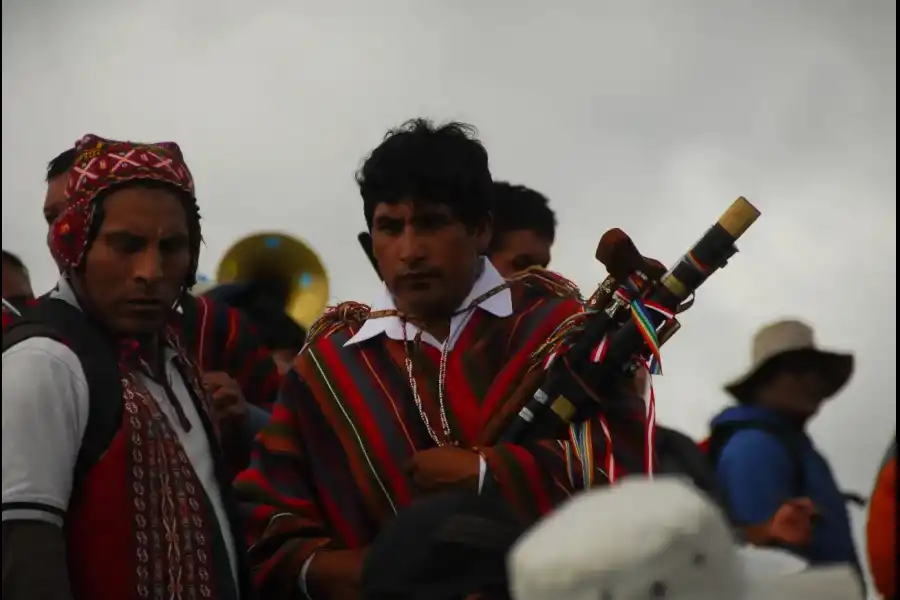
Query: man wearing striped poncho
pixel 406 397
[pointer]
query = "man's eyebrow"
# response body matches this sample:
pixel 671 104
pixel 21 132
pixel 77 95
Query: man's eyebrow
pixel 125 234
pixel 121 233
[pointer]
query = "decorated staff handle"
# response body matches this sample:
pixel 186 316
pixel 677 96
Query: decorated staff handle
pixel 597 353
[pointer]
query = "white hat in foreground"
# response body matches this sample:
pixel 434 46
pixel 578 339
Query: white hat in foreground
pixel 657 540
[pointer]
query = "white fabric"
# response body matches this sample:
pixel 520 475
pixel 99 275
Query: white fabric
pixel 44 415
pixel 301 579
pixel 482 472
pixel 763 562
pixel 499 304
pixel 641 538
pixel 45 412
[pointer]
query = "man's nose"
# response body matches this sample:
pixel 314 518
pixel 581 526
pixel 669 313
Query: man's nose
pixel 411 246
pixel 148 265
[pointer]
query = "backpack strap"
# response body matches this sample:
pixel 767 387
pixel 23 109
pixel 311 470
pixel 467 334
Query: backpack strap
pixel 60 321
pixel 791 442
pixel 190 313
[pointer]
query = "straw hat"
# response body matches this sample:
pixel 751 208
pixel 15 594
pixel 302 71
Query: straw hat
pixel 790 337
pixel 658 540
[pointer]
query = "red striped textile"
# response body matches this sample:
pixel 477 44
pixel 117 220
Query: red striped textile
pixel 329 470
pixel 220 338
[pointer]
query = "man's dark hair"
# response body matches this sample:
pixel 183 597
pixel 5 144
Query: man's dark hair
pixel 516 207
pixel 423 162
pixel 62 163
pixel 14 261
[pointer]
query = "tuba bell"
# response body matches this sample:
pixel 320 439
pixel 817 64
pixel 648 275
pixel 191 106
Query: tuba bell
pixel 284 259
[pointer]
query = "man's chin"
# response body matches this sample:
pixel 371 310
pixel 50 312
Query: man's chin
pixel 133 327
pixel 419 302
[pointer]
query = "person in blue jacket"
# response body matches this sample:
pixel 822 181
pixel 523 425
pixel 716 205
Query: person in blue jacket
pixel 779 490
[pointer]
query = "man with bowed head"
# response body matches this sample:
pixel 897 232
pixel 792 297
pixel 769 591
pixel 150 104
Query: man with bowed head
pixel 237 367
pixel 114 483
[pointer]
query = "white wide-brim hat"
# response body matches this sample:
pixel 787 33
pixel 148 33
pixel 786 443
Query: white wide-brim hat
pixel 658 540
pixel 792 337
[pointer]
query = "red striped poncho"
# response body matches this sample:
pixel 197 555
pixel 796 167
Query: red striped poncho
pixel 220 338
pixel 329 470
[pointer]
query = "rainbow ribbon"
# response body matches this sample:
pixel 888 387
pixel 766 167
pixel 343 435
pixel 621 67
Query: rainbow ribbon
pixel 648 332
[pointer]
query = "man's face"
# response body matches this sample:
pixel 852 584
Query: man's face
pixel 55 200
pixel 138 263
pixel 517 250
pixel 796 386
pixel 426 256
pixel 16 283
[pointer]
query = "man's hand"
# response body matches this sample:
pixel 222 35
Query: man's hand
pixel 793 522
pixel 792 525
pixel 335 574
pixel 229 406
pixel 444 468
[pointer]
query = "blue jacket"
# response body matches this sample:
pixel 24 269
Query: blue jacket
pixel 756 475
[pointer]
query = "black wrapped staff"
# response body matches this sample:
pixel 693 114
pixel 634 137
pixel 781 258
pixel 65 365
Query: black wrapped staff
pixel 564 397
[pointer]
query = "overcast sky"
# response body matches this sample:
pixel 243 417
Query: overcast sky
pixel 650 116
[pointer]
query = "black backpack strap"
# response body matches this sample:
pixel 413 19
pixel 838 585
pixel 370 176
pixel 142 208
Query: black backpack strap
pixel 21 330
pixel 60 321
pixel 791 442
pixel 190 313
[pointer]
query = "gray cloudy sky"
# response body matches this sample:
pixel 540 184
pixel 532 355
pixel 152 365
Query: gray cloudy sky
pixel 650 116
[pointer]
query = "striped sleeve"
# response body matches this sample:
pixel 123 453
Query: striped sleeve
pixel 228 342
pixel 285 522
pixel 251 362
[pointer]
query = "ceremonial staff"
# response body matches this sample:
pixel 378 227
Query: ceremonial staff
pixel 602 346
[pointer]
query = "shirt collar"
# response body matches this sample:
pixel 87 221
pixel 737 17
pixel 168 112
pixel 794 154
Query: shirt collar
pixel 499 304
pixel 63 291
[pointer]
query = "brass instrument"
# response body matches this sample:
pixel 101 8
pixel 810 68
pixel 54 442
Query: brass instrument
pixel 285 258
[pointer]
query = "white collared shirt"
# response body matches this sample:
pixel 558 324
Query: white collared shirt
pixel 499 304
pixel 46 404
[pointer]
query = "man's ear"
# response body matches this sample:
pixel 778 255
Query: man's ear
pixel 483 232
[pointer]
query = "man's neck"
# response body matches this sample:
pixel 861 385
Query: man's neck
pixel 779 408
pixel 437 327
